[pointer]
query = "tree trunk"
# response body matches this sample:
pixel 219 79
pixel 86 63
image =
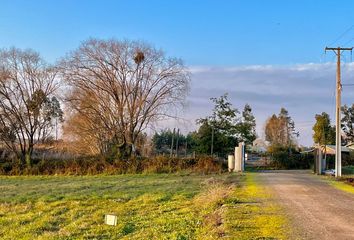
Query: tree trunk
pixel 125 150
pixel 28 160
pixel 29 152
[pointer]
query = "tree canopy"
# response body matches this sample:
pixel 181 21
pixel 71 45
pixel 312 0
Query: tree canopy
pixel 118 88
pixel 220 132
pixel 348 123
pixel 27 101
pixel 324 133
pixel 280 130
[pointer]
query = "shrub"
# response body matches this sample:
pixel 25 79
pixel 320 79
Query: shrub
pixel 282 158
pixel 348 170
pixel 348 159
pixel 99 165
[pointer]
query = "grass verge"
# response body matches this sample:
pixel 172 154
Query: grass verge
pixel 252 213
pixel 341 185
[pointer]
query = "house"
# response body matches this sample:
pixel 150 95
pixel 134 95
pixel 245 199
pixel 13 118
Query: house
pixel 323 162
pixel 351 146
pixel 331 149
pixel 259 145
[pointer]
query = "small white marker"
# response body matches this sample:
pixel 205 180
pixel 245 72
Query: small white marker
pixel 110 219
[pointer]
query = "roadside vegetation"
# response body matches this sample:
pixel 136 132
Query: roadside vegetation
pixel 98 165
pixel 343 184
pixel 348 170
pixel 346 182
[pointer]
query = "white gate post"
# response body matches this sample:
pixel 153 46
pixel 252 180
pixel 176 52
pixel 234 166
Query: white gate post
pixel 242 155
pixel 237 161
pixel 231 162
pixel 240 158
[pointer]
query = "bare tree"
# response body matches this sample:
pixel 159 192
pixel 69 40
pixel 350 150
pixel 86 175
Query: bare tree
pixel 275 131
pixel 85 128
pixel 26 84
pixel 120 87
pixel 280 130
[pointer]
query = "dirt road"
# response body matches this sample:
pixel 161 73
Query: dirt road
pixel 316 209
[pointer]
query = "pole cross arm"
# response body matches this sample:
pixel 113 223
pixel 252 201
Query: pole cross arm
pixel 339 48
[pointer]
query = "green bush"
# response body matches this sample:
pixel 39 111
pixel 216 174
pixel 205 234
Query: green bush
pixel 285 158
pixel 348 170
pixel 348 159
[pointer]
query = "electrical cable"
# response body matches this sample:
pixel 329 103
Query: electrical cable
pixel 342 35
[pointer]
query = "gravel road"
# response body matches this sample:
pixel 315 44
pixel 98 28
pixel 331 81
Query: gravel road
pixel 316 209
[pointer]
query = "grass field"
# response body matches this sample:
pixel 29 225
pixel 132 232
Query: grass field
pixel 158 206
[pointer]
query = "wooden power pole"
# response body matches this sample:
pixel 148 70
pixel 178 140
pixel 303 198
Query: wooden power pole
pixel 212 142
pixel 173 136
pixel 338 51
pixel 177 142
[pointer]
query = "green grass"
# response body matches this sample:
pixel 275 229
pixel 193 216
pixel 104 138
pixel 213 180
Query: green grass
pixel 156 206
pixel 342 186
pixel 342 183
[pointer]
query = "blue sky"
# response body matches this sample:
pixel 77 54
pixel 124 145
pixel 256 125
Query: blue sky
pixel 220 41
pixel 201 32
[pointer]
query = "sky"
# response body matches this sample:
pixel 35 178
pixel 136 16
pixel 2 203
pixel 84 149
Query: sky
pixel 269 54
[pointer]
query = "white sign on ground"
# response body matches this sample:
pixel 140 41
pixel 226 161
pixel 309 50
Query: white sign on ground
pixel 110 219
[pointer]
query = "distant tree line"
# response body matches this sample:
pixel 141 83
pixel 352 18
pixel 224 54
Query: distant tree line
pixel 218 134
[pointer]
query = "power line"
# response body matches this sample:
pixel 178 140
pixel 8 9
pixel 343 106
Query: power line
pixel 342 35
pixel 323 55
pixel 350 40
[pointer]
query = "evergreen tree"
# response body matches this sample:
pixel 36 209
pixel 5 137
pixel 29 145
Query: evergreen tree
pixel 220 130
pixel 247 126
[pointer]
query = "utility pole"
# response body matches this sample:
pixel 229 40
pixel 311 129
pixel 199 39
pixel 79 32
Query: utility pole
pixel 212 141
pixel 177 142
pixel 338 51
pixel 185 148
pixel 173 136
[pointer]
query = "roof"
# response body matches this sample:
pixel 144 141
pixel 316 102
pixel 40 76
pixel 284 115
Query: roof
pixel 331 149
pixel 350 145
